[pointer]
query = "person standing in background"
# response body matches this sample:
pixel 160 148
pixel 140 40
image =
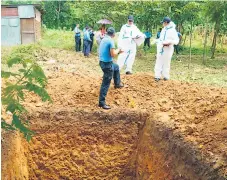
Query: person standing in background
pixel 92 38
pixel 148 35
pixel 176 47
pixel 100 35
pixel 165 48
pixel 87 42
pixel 77 38
pixel 126 41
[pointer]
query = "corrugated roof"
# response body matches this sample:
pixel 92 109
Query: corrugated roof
pixel 16 5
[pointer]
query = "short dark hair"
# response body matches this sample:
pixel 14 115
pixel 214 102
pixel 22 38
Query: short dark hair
pixel 110 31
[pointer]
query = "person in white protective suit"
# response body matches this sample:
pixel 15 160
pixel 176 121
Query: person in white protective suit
pixel 165 48
pixel 129 37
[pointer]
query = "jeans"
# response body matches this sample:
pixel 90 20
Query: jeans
pixel 78 43
pixel 91 45
pixel 147 42
pixel 110 70
pixel 87 46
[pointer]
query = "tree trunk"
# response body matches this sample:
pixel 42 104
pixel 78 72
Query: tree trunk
pixel 222 39
pixel 58 13
pixel 216 31
pixel 190 47
pixel 184 39
pixel 182 28
pixel 205 43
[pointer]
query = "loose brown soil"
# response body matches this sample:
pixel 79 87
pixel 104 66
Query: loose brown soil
pixel 164 130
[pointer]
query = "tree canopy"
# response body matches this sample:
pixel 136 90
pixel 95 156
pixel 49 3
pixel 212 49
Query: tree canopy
pixel 147 14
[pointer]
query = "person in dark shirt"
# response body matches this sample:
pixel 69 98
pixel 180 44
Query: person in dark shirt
pixel 92 38
pixel 87 42
pixel 148 35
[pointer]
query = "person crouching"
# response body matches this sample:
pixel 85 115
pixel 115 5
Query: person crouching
pixel 111 70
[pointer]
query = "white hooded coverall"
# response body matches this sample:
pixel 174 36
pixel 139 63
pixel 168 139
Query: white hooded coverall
pixel 164 54
pixel 127 43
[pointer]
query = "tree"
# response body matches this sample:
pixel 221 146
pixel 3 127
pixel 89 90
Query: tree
pixel 29 78
pixel 217 12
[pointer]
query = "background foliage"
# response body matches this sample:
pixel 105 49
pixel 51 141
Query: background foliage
pixel 148 14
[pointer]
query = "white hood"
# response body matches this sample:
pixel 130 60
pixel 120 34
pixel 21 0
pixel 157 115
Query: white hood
pixel 171 24
pixel 168 36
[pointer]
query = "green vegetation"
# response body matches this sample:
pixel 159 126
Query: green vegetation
pixel 58 39
pixel 213 73
pixel 29 77
pixel 209 16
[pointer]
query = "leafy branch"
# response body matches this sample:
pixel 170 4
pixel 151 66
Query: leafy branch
pixel 29 78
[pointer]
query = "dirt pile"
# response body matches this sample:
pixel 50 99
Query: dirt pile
pixel 189 118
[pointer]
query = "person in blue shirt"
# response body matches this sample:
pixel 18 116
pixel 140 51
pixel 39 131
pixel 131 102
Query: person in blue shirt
pixel 111 70
pixel 176 47
pixel 77 38
pixel 87 42
pixel 148 35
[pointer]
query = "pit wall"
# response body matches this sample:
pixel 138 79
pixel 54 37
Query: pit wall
pixel 84 145
pixel 13 157
pixel 161 150
pixel 147 148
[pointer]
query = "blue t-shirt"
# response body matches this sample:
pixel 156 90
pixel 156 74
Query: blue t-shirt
pixel 106 44
pixel 148 34
pixel 87 35
pixel 77 32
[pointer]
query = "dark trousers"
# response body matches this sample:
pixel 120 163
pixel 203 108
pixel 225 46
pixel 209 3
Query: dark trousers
pixel 87 46
pixel 147 42
pixel 176 47
pixel 110 70
pixel 91 45
pixel 78 43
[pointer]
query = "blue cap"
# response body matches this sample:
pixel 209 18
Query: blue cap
pixel 110 31
pixel 166 19
pixel 130 17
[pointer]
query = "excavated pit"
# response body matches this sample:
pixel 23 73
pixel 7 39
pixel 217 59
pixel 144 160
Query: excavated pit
pixel 120 144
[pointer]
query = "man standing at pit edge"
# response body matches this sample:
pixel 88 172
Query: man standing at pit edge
pixel 111 70
pixel 165 48
pixel 128 33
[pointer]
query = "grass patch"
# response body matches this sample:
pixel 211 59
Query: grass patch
pixel 24 51
pixel 58 39
pixel 213 73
